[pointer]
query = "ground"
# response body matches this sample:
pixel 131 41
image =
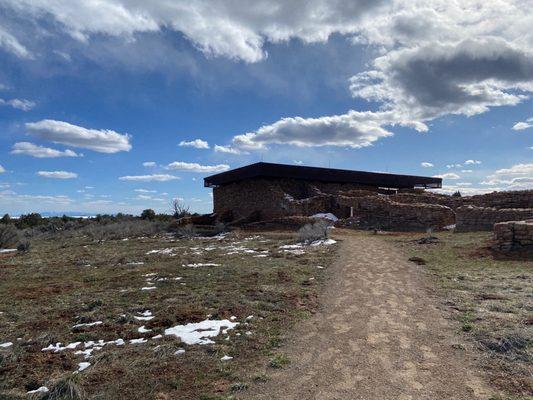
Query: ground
pixel 60 290
pixel 354 320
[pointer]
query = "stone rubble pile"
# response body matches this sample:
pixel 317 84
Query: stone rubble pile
pixel 472 218
pixel 514 235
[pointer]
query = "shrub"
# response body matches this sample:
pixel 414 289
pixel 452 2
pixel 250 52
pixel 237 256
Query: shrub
pixel 148 214
pixel 6 219
pixel 9 236
pixel 457 194
pixel 179 209
pixel 186 232
pixel 29 220
pixel 312 232
pixel 23 246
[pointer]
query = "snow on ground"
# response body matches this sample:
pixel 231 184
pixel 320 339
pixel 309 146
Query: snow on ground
pixel 226 358
pixel 143 329
pixel 7 250
pixel 58 347
pixel 329 216
pixel 168 251
pixel 138 341
pixel 88 324
pixel 42 389
pixel 324 242
pixel 145 316
pixel 83 365
pixel 179 351
pixel 197 265
pixel 6 344
pixel 199 332
pixel 148 288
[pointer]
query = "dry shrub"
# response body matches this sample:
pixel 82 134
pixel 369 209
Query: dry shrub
pixel 9 236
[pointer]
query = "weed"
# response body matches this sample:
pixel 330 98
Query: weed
pixel 279 361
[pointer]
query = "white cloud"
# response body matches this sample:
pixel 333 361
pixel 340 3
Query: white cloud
pixel 517 177
pixel 103 141
pixel 19 104
pixel 195 167
pixel 2 169
pixel 426 164
pixel 449 166
pixel 472 162
pixel 519 126
pixel 354 129
pixel 227 149
pixel 449 175
pixel 196 143
pixel 57 174
pixel 10 43
pixel 149 178
pixel 230 28
pixel 33 150
pixel 466 171
pixel 145 191
pixel 149 164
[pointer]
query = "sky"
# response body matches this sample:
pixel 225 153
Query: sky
pixel 120 105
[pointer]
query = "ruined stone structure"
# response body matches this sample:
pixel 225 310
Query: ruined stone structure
pixel 362 200
pixel 514 236
pixel 472 218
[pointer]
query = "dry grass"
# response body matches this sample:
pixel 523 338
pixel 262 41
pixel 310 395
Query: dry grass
pixel 492 300
pixel 60 283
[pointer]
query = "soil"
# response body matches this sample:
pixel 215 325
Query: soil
pixel 379 334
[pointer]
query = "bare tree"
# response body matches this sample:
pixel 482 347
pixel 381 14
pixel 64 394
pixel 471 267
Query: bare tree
pixel 179 209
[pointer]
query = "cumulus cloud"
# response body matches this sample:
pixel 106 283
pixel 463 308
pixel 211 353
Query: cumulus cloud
pixel 231 28
pixel 354 129
pixel 149 164
pixel 472 162
pixel 33 150
pixel 227 150
pixel 149 178
pixel 195 167
pixel 196 143
pixel 19 104
pixel 519 176
pixel 57 174
pixel 145 191
pixel 103 141
pixel 449 175
pixel 426 164
pixel 519 126
pixel 2 169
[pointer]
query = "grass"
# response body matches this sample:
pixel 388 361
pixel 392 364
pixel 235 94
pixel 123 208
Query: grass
pixel 492 300
pixel 61 283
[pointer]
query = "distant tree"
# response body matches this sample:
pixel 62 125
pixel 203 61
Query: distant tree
pixel 457 194
pixel 148 214
pixel 29 220
pixel 179 209
pixel 6 219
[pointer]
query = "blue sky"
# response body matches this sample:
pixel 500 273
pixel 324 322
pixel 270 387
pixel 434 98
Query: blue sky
pixel 91 91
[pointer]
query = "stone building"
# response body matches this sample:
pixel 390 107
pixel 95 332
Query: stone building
pixel 277 190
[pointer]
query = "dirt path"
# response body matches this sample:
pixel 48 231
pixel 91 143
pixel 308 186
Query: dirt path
pixel 379 335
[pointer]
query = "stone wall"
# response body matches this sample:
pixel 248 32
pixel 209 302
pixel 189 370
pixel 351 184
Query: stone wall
pixel 514 236
pixel 380 212
pixel 513 199
pixel 472 218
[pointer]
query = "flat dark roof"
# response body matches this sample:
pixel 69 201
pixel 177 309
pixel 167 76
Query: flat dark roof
pixel 280 171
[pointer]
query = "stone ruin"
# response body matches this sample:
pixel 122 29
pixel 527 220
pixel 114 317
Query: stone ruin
pixel 514 236
pixel 363 207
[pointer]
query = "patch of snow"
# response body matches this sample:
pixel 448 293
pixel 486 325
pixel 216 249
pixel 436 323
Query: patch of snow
pixel 168 251
pixel 226 358
pixel 320 267
pixel 7 250
pixel 148 288
pixel 179 352
pixel 298 252
pixel 329 216
pixel 57 347
pixel 291 246
pixel 325 242
pixel 197 265
pixel 88 324
pixel 197 333
pixel 136 263
pixel 119 342
pixel 138 341
pixel 142 329
pixel 249 317
pixel 145 316
pixel 6 344
pixel 449 227
pixel 157 337
pixel 83 365
pixel 42 389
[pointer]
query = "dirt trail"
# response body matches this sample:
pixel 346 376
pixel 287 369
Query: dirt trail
pixel 379 335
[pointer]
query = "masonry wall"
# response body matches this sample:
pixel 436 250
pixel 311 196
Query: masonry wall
pixel 472 218
pixel 514 236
